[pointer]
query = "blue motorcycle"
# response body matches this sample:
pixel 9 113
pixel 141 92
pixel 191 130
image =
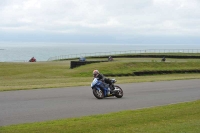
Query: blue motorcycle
pixel 102 90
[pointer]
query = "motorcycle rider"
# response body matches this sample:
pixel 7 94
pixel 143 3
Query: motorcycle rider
pixel 100 76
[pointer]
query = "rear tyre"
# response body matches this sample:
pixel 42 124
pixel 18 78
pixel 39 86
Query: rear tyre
pixel 118 92
pixel 98 93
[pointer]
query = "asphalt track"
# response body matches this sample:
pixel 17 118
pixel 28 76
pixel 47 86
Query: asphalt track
pixel 27 106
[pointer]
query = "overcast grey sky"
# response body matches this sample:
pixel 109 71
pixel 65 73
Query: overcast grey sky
pixel 100 21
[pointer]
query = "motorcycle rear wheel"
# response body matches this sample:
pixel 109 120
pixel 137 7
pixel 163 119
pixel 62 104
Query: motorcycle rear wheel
pixel 119 92
pixel 98 93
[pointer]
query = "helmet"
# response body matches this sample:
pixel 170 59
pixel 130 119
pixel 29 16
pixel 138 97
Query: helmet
pixel 95 73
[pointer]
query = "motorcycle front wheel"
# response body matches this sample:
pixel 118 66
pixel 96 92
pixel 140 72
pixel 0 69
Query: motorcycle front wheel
pixel 118 92
pixel 98 93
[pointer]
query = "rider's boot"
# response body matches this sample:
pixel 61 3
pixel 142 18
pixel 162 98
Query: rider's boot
pixel 109 92
pixel 112 91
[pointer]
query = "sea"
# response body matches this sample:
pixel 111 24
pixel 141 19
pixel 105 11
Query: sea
pixel 22 52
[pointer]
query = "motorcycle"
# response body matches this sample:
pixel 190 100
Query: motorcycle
pixel 32 59
pixel 101 92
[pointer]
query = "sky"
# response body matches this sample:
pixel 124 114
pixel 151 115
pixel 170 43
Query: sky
pixel 101 21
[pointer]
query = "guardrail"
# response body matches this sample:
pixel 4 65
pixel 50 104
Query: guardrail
pixel 71 56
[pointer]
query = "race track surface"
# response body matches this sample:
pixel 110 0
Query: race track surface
pixel 27 106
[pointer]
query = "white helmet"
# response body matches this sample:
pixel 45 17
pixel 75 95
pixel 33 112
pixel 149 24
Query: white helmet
pixel 95 73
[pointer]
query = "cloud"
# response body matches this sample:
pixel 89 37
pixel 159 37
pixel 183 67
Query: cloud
pixel 125 18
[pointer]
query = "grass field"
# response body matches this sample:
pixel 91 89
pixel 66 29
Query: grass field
pixel 17 76
pixel 176 118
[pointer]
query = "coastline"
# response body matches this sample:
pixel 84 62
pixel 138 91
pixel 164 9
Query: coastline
pixel 44 52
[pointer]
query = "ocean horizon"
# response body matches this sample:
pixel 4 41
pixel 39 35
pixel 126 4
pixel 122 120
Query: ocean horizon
pixel 22 52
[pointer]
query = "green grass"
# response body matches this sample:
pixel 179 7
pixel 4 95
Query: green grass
pixel 175 118
pixel 17 76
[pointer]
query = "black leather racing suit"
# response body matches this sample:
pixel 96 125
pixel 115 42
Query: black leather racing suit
pixel 106 80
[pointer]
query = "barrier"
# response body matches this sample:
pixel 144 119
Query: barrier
pixel 112 53
pixel 74 64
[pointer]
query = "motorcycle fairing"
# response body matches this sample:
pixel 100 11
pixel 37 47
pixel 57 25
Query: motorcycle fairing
pixel 97 84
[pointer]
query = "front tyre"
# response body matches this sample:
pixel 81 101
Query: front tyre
pixel 98 93
pixel 118 92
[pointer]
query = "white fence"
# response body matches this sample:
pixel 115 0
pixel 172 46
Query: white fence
pixel 124 52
